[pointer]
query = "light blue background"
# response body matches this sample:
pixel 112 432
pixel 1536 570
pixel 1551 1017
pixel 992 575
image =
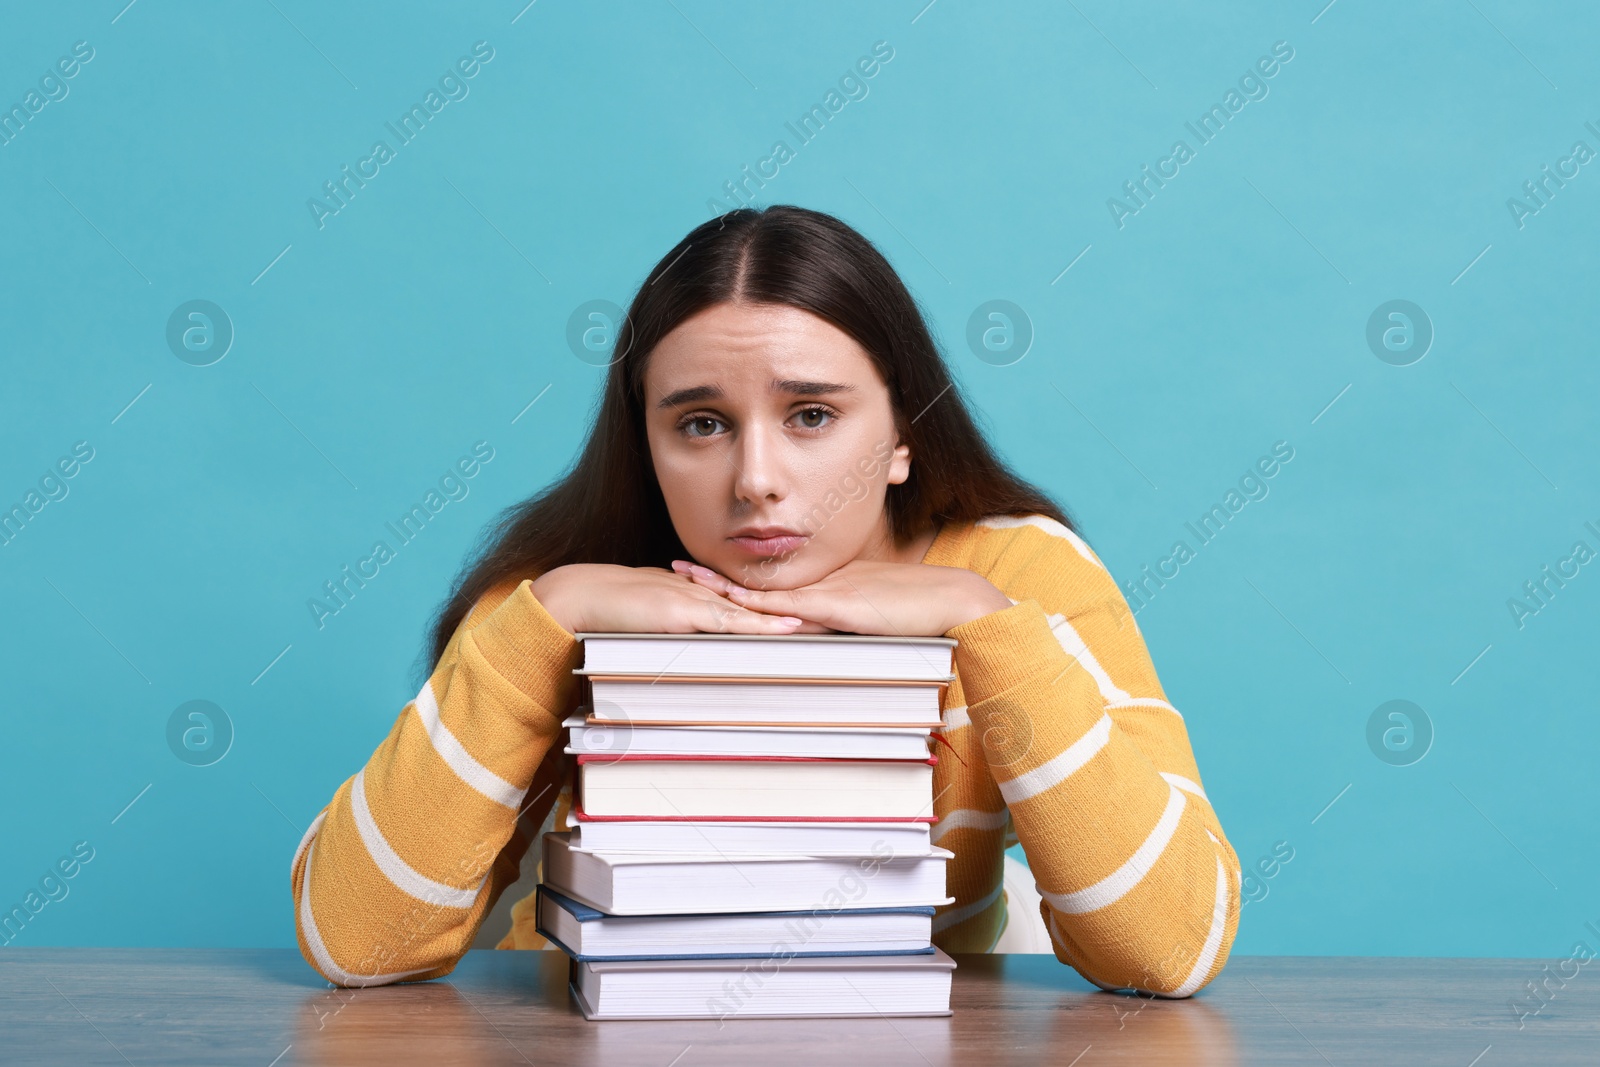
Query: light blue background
pixel 1222 318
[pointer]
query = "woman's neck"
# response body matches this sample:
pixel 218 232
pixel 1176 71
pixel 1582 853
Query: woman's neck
pixel 914 551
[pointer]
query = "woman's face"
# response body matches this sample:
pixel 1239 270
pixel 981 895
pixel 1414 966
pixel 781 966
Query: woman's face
pixel 773 439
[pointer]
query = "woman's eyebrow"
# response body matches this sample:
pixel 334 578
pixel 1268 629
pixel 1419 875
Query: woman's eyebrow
pixel 691 395
pixel 799 388
pixel 793 386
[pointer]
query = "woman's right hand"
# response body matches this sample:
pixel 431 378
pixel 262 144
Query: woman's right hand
pixel 606 598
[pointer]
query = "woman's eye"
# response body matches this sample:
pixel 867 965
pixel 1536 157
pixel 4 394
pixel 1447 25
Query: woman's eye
pixel 811 418
pixel 700 421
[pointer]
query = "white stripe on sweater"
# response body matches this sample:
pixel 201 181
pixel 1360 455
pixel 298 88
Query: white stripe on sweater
pixel 1078 649
pixel 1145 702
pixel 956 717
pixel 1054 771
pixel 319 950
pixel 305 839
pixel 966 911
pixel 1188 787
pixel 1048 525
pixel 453 752
pixel 1114 886
pixel 979 820
pixel 397 870
pixel 1208 951
pixel 1073 644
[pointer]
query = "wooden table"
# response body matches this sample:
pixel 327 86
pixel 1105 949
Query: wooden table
pixel 266 1008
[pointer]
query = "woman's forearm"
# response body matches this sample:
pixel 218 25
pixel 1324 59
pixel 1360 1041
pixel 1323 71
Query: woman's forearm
pixel 1139 886
pixel 396 875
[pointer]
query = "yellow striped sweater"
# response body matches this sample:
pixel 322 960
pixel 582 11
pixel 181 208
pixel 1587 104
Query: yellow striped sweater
pixel 1061 739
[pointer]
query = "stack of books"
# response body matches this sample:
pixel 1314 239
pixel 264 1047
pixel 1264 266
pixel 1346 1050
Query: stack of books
pixel 752 816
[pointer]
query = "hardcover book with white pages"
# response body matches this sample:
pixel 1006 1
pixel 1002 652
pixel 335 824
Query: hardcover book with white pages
pixel 644 883
pixel 750 989
pixel 733 837
pixel 642 699
pixel 585 933
pixel 771 655
pixel 615 739
pixel 753 787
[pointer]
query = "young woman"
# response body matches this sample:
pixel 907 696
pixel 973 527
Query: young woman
pixel 780 449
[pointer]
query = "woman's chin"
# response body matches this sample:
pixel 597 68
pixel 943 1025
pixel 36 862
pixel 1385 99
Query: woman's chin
pixel 775 574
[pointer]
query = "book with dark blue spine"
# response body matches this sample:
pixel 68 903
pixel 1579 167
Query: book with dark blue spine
pixel 588 934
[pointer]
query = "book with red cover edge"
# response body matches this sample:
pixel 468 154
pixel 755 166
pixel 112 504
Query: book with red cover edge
pixel 590 757
pixel 587 757
pixel 586 681
pixel 578 813
pixel 595 720
pixel 764 679
pixel 583 816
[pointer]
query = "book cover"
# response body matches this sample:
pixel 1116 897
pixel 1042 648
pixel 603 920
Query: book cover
pixel 854 656
pixel 606 759
pixel 579 813
pixel 936 961
pixel 583 913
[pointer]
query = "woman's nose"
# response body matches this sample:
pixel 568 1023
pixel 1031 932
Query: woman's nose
pixel 758 457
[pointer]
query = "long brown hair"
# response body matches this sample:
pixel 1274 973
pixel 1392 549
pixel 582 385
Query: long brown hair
pixel 608 507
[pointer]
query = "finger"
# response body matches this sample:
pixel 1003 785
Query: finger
pixel 708 578
pixel 711 579
pixel 720 616
pixel 771 601
pixel 821 606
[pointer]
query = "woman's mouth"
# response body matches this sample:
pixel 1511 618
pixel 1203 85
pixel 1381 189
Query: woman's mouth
pixel 763 547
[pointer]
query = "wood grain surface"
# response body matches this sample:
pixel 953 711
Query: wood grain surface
pixel 266 1008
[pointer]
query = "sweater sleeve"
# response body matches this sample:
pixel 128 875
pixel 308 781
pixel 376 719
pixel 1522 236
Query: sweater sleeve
pixel 1139 886
pixel 397 872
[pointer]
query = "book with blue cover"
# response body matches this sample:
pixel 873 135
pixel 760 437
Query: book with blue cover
pixel 586 933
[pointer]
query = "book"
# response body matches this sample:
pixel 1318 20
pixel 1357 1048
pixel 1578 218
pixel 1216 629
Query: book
pixel 603 738
pixel 584 933
pixel 710 701
pixel 777 655
pixel 751 829
pixel 746 989
pixel 753 787
pixel 729 837
pixel 645 883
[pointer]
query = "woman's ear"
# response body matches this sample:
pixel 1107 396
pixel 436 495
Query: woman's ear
pixel 900 464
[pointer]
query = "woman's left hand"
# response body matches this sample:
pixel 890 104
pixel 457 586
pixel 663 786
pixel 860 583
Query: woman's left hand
pixel 869 597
